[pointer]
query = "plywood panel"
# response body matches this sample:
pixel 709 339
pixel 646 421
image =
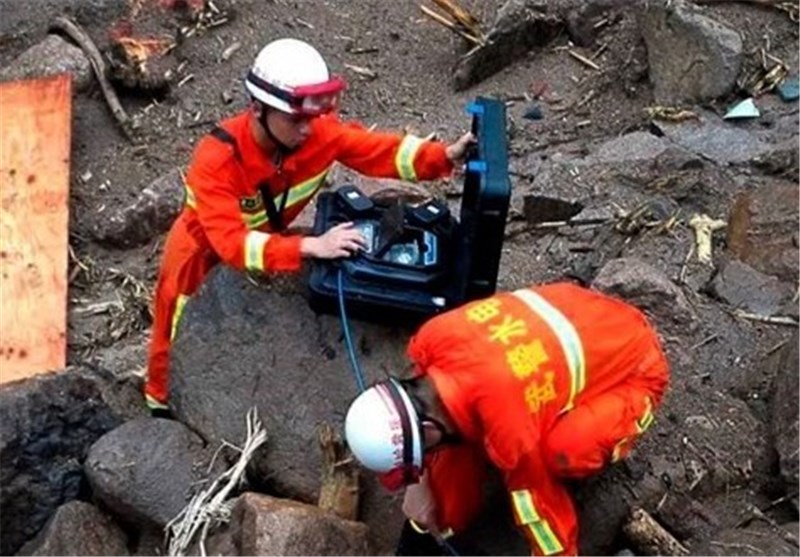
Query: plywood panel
pixel 35 126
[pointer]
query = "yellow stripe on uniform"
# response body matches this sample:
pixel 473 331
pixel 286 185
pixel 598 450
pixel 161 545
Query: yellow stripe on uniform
pixel 304 190
pixel 191 199
pixel 567 336
pixel 255 220
pixel 404 159
pixel 538 527
pixel 254 250
pixel 180 303
pixel 647 417
pixel 153 404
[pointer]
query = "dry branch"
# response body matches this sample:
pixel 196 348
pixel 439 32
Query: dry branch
pixel 339 491
pixel 650 537
pixel 76 33
pixel 460 21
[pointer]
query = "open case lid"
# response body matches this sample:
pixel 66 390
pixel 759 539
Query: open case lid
pixel 484 205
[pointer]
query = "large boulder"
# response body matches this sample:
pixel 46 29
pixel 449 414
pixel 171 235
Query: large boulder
pixel 78 528
pixel 785 416
pixel 242 344
pixel 150 215
pixel 649 289
pixel 145 469
pixel 264 525
pixel 741 286
pixel 53 55
pixel 692 57
pixel 47 425
pixel 762 229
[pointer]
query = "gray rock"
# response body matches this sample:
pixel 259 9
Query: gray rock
pixel 519 26
pixel 757 539
pixel 784 416
pixel 53 55
pixel 150 215
pixel 741 286
pixel 692 57
pixel 78 528
pixel 762 229
pixel 630 148
pixel 715 139
pixel 241 344
pixel 649 289
pixel 47 425
pixel 266 525
pixel 144 470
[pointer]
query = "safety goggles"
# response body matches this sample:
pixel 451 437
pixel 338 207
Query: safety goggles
pixel 308 100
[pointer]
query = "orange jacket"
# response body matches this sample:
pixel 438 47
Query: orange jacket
pixel 506 367
pixel 224 209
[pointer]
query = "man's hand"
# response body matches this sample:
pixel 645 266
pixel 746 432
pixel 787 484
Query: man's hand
pixel 340 241
pixel 457 151
pixel 420 506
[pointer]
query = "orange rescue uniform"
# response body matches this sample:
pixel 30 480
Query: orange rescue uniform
pixel 547 383
pixel 224 218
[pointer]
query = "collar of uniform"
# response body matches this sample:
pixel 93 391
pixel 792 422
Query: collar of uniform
pixel 455 400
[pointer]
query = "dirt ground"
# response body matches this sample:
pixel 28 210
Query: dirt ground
pixel 413 59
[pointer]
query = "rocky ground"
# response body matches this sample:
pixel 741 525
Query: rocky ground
pixel 718 471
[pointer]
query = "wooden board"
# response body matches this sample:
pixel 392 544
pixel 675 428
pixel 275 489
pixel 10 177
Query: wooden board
pixel 35 130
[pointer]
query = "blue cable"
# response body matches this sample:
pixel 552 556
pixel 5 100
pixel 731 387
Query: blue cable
pixel 348 340
pixel 447 546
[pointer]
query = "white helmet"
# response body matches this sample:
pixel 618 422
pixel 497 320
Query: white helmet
pixel 291 76
pixel 384 433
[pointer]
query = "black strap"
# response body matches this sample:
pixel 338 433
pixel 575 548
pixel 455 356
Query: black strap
pixel 275 215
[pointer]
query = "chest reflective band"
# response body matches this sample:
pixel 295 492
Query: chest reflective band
pixel 567 336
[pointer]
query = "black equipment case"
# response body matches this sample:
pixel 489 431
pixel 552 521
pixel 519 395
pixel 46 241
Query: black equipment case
pixel 421 260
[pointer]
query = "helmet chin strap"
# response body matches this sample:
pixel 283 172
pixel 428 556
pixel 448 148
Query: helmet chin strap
pixel 283 149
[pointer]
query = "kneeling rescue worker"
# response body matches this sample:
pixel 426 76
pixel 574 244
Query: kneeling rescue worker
pixel 547 383
pixel 252 175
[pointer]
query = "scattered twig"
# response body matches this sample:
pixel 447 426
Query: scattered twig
pixel 704 341
pixel 583 59
pixel 465 24
pixel 704 226
pixel 360 70
pixel 209 507
pixel 775 348
pixel 685 266
pixel 775 319
pixel 747 546
pixel 670 113
pixel 789 8
pixel 76 33
pixel 228 52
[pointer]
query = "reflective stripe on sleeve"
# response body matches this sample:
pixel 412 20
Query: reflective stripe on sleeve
pixel 254 250
pixel 567 336
pixel 538 527
pixel 180 304
pixel 404 160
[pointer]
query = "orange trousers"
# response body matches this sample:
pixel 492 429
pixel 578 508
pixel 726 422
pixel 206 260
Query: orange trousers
pixel 184 266
pixel 599 430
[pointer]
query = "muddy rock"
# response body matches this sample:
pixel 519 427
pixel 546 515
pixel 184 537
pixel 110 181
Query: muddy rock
pixel 149 216
pixel 692 57
pixel 53 55
pixel 649 289
pixel 762 229
pixel 47 425
pixel 144 470
pixel 266 525
pixel 784 415
pixel 241 344
pixel 520 25
pixel 754 540
pixel 740 286
pixel 78 528
pixel 715 139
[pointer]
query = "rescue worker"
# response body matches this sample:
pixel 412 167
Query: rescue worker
pixel 252 175
pixel 547 383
